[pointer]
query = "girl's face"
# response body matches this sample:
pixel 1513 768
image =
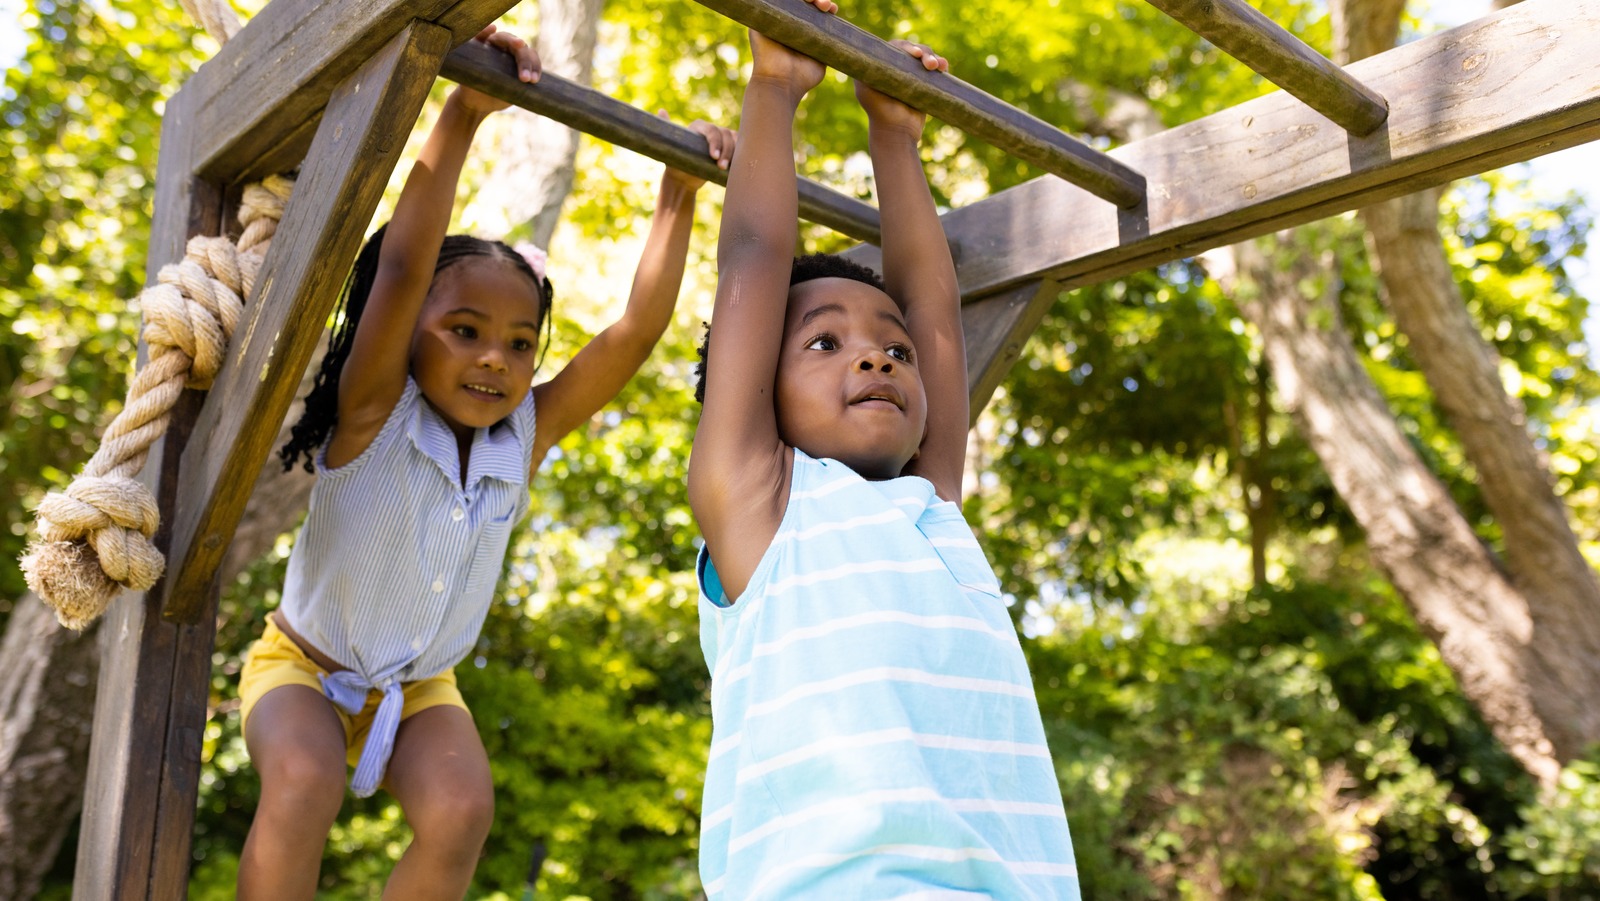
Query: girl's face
pixel 848 386
pixel 473 351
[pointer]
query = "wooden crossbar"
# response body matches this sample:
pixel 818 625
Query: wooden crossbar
pixel 868 58
pixel 609 119
pixel 1242 32
pixel 1506 88
pixel 259 99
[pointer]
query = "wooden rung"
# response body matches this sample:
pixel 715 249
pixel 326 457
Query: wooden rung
pixel 836 43
pixel 1242 32
pixel 591 112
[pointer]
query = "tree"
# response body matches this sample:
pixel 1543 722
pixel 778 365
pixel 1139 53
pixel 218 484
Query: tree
pixel 1519 634
pixel 1238 702
pixel 533 167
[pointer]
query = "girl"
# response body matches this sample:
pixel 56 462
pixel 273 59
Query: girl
pixel 425 430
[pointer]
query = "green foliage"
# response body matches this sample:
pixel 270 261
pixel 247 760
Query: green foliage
pixel 1215 734
pixel 80 114
pixel 1560 842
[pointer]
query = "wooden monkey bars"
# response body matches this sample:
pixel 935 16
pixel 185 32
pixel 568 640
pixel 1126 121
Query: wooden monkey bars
pixel 870 59
pixel 593 113
pixel 332 87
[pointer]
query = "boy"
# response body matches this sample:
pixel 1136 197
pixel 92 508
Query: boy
pixel 875 729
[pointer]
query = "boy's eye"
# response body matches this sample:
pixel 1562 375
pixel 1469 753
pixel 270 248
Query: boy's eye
pixel 823 342
pixel 900 352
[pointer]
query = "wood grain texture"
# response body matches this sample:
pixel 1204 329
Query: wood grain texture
pixel 1508 87
pixel 868 58
pixel 1241 31
pixel 356 148
pixel 264 90
pixel 134 824
pixel 997 327
pixel 611 120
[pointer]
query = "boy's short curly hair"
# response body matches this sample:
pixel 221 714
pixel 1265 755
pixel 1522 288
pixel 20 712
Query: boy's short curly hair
pixel 805 268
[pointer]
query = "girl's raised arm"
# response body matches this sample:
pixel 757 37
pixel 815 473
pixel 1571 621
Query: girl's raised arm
pixel 374 375
pixel 604 365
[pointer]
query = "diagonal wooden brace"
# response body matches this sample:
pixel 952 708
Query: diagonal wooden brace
pixel 357 145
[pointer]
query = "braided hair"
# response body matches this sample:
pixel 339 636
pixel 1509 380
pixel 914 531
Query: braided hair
pixel 804 269
pixel 321 413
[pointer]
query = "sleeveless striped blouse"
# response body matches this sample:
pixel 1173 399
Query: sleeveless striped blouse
pixel 396 564
pixel 875 732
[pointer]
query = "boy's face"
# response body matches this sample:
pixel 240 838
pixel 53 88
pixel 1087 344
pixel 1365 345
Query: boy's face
pixel 474 348
pixel 848 386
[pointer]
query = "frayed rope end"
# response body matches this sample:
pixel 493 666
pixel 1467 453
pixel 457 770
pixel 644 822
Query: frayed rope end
pixel 66 575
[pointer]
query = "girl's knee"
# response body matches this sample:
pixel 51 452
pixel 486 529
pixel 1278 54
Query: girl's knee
pixel 456 812
pixel 303 781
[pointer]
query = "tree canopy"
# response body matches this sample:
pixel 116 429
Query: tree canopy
pixel 1221 728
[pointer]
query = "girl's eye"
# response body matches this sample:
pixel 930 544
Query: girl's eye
pixel 823 342
pixel 465 331
pixel 522 345
pixel 900 352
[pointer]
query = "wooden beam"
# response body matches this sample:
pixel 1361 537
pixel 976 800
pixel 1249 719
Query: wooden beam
pixel 1242 32
pixel 1508 87
pixel 997 327
pixel 260 96
pixel 150 706
pixel 836 43
pixel 355 149
pixel 608 119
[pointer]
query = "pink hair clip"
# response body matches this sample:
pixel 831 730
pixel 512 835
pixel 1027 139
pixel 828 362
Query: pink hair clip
pixel 536 258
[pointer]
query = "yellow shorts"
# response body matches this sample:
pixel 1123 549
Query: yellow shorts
pixel 275 661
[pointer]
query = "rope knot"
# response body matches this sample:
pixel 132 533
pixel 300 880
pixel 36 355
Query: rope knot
pixel 95 537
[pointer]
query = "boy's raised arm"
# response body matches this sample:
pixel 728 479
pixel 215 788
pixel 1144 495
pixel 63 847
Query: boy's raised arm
pixel 737 471
pixel 921 276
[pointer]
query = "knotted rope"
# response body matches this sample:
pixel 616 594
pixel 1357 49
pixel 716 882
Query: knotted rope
pixel 95 537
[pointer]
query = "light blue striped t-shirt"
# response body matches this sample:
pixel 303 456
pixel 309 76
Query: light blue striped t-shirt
pixel 398 559
pixel 874 728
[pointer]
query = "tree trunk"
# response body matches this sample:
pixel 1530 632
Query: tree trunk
pixel 1415 533
pixel 1520 644
pixel 47 687
pixel 48 676
pixel 1462 369
pixel 534 157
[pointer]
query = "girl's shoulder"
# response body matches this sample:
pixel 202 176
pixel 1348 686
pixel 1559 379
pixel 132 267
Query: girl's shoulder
pixel 401 419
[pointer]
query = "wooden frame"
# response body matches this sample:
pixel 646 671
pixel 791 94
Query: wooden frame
pixel 333 86
pixel 1283 59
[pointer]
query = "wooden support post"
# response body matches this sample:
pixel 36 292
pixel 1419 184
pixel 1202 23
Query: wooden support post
pixel 356 147
pixel 593 113
pixel 836 43
pixel 144 760
pixel 1502 89
pixel 997 327
pixel 1242 32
